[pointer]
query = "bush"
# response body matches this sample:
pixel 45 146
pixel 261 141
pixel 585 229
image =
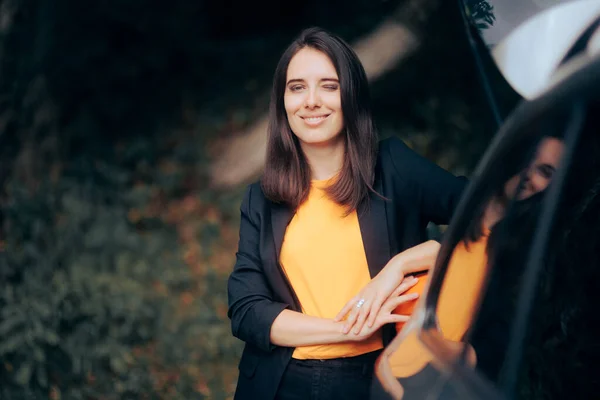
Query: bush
pixel 113 293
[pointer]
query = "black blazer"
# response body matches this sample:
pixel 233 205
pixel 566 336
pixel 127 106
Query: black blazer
pixel 417 192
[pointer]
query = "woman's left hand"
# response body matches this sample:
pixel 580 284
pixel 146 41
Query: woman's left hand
pixel 365 306
pixel 390 281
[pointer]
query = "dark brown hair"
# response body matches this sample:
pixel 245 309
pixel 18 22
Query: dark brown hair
pixel 287 174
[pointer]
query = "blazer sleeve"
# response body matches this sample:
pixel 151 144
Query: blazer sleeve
pixel 438 191
pixel 251 307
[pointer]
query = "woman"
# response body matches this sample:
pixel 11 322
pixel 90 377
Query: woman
pixel 331 209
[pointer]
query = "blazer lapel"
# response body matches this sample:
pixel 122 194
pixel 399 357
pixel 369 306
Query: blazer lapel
pixel 281 215
pixel 372 219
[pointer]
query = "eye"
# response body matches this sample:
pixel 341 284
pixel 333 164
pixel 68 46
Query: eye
pixel 331 87
pixel 545 170
pixel 296 88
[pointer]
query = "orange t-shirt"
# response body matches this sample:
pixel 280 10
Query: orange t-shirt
pixel 324 259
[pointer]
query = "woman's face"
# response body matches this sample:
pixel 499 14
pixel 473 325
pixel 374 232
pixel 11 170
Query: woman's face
pixel 540 172
pixel 312 98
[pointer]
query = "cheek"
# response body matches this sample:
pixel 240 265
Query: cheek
pixel 539 182
pixel 291 104
pixel 511 187
pixel 333 101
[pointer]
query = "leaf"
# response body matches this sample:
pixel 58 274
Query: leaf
pixel 11 344
pixel 39 355
pixel 118 365
pixel 51 337
pixel 42 376
pixel 23 375
pixel 42 308
pixel 9 324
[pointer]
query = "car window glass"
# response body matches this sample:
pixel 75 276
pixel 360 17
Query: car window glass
pixel 513 192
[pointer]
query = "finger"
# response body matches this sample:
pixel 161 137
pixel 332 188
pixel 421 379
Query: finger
pixel 351 319
pixel 405 285
pixel 362 316
pixel 395 302
pixel 347 308
pixel 395 318
pixel 374 311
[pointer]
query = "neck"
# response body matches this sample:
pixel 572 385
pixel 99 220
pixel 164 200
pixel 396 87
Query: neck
pixel 325 160
pixel 493 212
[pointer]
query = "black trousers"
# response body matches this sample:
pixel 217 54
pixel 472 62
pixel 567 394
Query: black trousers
pixel 336 379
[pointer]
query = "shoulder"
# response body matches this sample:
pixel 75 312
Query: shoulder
pixel 254 198
pixel 395 155
pixel 392 146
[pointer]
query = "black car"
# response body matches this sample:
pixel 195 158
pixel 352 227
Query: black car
pixel 509 310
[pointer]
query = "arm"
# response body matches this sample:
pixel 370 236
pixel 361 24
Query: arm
pixel 251 307
pixel 438 191
pixel 294 329
pixel 416 259
pixel 388 283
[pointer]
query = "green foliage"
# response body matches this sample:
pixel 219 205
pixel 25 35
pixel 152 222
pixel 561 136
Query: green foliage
pixel 97 296
pixel 482 13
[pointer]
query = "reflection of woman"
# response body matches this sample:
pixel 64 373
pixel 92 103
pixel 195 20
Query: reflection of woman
pixel 561 350
pixel 332 208
pixel 467 268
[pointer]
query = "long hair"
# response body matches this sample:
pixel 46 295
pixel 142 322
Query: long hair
pixel 513 161
pixel 286 178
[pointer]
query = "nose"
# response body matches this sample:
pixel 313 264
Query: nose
pixel 313 99
pixel 529 181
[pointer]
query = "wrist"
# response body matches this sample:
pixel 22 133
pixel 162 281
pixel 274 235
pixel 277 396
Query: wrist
pixel 339 335
pixel 399 267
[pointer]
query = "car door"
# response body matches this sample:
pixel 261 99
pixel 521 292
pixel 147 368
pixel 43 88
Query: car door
pixel 509 308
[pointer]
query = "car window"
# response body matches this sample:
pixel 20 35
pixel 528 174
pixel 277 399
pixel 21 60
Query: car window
pixel 460 342
pixel 515 189
pixel 543 356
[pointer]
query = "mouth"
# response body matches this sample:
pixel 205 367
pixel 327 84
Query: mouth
pixel 315 120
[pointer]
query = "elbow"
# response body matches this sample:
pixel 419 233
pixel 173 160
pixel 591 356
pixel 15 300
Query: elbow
pixel 252 322
pixel 433 244
pixel 240 328
pixel 235 329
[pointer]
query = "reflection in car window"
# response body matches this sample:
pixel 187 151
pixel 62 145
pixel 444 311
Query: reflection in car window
pixel 513 192
pixel 560 347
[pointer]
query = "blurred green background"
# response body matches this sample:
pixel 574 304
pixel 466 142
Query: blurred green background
pixel 117 121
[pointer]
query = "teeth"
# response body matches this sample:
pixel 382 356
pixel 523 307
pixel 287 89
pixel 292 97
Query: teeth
pixel 315 119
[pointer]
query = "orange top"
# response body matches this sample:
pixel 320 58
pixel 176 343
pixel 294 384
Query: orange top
pixel 324 259
pixel 456 305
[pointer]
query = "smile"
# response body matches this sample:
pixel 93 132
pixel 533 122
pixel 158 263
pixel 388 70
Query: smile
pixel 314 121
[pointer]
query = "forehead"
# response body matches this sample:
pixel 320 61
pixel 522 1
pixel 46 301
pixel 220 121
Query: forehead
pixel 309 63
pixel 549 151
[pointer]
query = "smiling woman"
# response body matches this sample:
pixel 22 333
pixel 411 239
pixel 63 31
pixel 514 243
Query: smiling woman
pixel 320 123
pixel 331 209
pixel 313 102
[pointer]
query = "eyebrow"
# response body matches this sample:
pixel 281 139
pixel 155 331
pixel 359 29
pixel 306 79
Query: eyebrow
pixel 320 80
pixel 546 165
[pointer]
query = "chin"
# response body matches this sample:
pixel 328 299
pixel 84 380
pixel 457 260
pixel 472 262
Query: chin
pixel 322 142
pixel 320 138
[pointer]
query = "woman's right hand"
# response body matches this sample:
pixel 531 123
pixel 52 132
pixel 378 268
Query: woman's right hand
pixel 385 316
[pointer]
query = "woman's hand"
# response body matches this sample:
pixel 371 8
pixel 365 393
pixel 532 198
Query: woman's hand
pixel 385 316
pixel 365 307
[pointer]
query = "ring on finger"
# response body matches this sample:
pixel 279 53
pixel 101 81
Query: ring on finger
pixel 360 303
